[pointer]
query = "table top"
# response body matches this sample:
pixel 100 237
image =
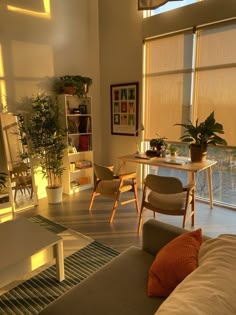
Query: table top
pixel 181 163
pixel 20 239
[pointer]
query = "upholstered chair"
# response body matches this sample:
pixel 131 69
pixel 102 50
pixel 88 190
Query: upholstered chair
pixel 114 187
pixel 167 195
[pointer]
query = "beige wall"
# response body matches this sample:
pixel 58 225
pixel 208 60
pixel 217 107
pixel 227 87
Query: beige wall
pixel 120 28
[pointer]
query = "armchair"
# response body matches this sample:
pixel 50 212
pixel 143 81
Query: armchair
pixel 113 186
pixel 167 195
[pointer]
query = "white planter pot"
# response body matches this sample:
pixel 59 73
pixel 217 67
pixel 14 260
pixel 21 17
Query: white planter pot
pixel 54 195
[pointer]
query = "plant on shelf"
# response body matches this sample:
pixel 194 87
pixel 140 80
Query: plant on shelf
pixel 158 145
pixel 200 135
pixel 46 139
pixel 72 84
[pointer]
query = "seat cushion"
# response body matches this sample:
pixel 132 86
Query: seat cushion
pixel 118 288
pixel 111 186
pixel 167 201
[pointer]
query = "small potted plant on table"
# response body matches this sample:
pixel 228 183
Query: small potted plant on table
pixel 200 135
pixel 158 146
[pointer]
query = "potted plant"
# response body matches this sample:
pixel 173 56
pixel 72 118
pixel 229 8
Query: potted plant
pixel 47 142
pixel 200 135
pixel 173 150
pixel 158 145
pixel 72 84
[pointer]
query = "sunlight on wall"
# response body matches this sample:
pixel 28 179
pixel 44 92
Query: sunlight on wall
pixel 3 102
pixel 30 63
pixel 46 14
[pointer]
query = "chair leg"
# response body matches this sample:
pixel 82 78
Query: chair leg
pixel 113 210
pixel 92 199
pixel 136 195
pixel 140 219
pixel 184 221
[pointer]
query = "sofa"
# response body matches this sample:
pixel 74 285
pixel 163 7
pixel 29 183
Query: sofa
pixel 120 287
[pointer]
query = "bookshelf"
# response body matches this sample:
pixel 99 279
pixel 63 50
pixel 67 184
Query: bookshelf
pixel 76 117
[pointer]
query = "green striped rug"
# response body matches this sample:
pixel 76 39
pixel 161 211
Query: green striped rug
pixel 33 295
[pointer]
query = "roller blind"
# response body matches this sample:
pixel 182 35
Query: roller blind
pixel 215 77
pixel 168 76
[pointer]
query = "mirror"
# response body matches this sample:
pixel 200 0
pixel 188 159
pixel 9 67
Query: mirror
pixel 21 190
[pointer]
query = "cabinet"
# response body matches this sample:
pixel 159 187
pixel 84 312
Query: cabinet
pixel 76 117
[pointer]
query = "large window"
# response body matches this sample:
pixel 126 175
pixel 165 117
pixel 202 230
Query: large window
pixel 187 76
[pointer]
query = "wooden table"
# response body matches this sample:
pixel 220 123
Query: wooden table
pixel 191 168
pixel 24 246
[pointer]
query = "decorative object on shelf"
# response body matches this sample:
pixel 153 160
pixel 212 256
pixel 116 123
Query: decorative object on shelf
pixel 152 4
pixel 124 108
pixel 73 84
pixel 201 135
pixel 158 146
pixel 46 140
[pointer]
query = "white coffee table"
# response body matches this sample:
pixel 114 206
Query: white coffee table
pixel 25 246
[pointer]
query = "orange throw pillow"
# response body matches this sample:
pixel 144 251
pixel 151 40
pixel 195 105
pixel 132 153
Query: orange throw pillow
pixel 173 263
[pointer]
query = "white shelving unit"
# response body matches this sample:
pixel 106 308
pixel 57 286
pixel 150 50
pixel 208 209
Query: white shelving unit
pixel 76 117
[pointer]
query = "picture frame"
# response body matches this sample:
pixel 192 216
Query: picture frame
pixel 124 108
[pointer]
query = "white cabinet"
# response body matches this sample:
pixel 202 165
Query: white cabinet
pixel 76 117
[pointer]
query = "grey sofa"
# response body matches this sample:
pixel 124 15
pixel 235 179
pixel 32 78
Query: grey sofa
pixel 120 286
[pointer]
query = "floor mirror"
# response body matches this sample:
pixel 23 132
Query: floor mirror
pixel 20 173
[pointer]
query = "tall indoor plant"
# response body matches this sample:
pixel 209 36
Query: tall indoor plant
pixel 46 140
pixel 200 135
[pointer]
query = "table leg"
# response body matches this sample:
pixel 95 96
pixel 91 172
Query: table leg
pixel 60 261
pixel 209 180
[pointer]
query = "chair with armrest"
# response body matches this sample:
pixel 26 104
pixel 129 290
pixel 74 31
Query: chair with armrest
pixel 167 195
pixel 113 186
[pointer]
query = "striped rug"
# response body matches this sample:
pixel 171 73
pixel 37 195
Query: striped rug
pixel 31 296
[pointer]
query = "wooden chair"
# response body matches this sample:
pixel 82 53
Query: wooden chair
pixel 113 186
pixel 167 195
pixel 21 180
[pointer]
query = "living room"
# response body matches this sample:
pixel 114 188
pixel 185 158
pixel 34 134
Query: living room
pixel 103 40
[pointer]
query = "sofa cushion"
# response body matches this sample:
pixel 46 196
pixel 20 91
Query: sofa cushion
pixel 210 289
pixel 117 288
pixel 173 263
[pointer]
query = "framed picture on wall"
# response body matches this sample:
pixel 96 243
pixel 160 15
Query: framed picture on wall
pixel 124 108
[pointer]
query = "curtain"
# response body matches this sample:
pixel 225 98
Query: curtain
pixel 152 4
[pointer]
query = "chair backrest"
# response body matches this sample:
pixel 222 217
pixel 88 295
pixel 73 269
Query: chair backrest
pixel 163 184
pixel 103 172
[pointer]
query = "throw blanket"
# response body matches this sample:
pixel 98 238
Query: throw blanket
pixel 211 288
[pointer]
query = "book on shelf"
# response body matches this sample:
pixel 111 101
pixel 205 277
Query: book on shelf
pixel 85 143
